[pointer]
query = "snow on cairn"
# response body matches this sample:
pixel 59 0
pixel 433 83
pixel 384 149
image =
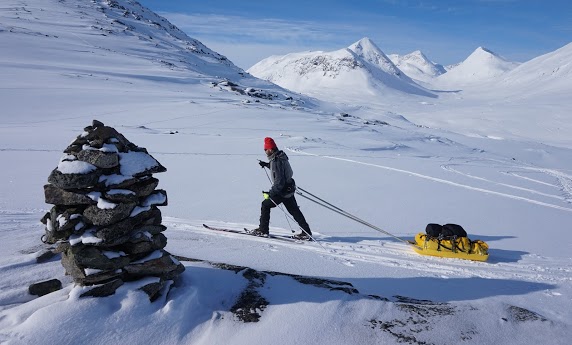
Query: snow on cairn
pixel 105 219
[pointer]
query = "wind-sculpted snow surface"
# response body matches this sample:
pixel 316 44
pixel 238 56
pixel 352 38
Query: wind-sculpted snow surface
pixel 497 164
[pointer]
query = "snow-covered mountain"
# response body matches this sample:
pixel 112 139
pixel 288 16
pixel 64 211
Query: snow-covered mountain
pixel 361 70
pixel 417 66
pixel 480 66
pixel 118 42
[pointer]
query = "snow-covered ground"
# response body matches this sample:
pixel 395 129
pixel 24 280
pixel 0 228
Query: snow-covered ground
pixel 498 165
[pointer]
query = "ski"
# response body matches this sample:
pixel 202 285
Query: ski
pixel 248 233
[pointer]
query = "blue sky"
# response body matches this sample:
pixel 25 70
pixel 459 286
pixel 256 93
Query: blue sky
pixel 447 31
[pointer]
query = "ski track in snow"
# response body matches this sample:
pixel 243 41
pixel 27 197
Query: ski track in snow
pixel 564 180
pixel 389 254
pixel 448 167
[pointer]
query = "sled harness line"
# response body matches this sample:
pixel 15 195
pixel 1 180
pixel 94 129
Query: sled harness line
pixel 302 192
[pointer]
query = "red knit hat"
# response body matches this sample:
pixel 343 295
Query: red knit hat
pixel 269 143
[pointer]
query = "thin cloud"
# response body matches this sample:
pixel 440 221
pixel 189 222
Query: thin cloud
pixel 246 41
pixel 233 28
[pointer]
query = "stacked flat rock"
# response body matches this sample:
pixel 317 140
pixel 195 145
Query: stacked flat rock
pixel 105 218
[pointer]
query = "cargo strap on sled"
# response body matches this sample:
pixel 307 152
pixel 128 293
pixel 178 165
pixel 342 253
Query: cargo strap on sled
pixel 307 195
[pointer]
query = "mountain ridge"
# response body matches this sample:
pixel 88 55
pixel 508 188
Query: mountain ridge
pixel 362 69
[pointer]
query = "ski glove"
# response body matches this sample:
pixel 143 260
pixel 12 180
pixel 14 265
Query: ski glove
pixel 263 164
pixel 265 195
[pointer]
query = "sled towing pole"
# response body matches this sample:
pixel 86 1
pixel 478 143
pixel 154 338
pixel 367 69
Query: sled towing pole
pixel 300 191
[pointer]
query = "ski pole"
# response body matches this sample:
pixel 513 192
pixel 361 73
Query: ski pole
pixel 285 215
pixel 346 214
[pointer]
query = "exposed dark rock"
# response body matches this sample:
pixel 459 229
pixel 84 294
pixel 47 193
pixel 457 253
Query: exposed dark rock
pixel 62 247
pixel 61 223
pixel 120 232
pixel 73 181
pixel 103 290
pixel 518 314
pixel 96 123
pixel 92 257
pixel 105 217
pixel 250 303
pixel 45 256
pixel 101 277
pixel 141 244
pixel 72 268
pixel 98 158
pixel 155 267
pixel 58 196
pixel 143 187
pixel 117 196
pixel 153 289
pixel 124 184
pixel 45 287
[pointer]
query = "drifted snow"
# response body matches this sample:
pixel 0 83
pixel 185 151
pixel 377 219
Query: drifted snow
pixel 109 148
pixel 113 179
pixel 133 162
pixel 154 199
pixel 120 192
pixel 87 237
pixel 75 167
pixel 435 160
pixel 101 202
pixel 113 255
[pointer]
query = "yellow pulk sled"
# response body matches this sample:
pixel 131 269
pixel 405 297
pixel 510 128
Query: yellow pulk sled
pixel 451 247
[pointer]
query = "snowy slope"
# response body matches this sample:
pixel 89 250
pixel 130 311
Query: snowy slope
pixel 362 71
pixel 381 163
pixel 120 44
pixel 417 66
pixel 481 65
pixel 548 73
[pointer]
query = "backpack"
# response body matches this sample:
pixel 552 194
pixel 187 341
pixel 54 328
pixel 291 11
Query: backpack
pixel 433 230
pixel 447 230
pixel 453 230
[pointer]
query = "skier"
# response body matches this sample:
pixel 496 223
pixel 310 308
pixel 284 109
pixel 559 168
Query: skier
pixel 282 191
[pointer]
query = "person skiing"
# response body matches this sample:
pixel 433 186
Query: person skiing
pixel 281 192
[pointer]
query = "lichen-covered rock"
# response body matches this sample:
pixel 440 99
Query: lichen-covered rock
pixel 97 258
pixel 142 243
pixel 100 159
pixel 121 232
pixel 158 267
pixel 73 181
pixel 45 287
pixel 63 222
pixel 58 196
pixel 105 218
pixel 103 290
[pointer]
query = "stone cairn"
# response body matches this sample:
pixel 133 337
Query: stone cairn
pixel 105 221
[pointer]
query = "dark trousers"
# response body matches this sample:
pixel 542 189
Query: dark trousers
pixel 292 207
